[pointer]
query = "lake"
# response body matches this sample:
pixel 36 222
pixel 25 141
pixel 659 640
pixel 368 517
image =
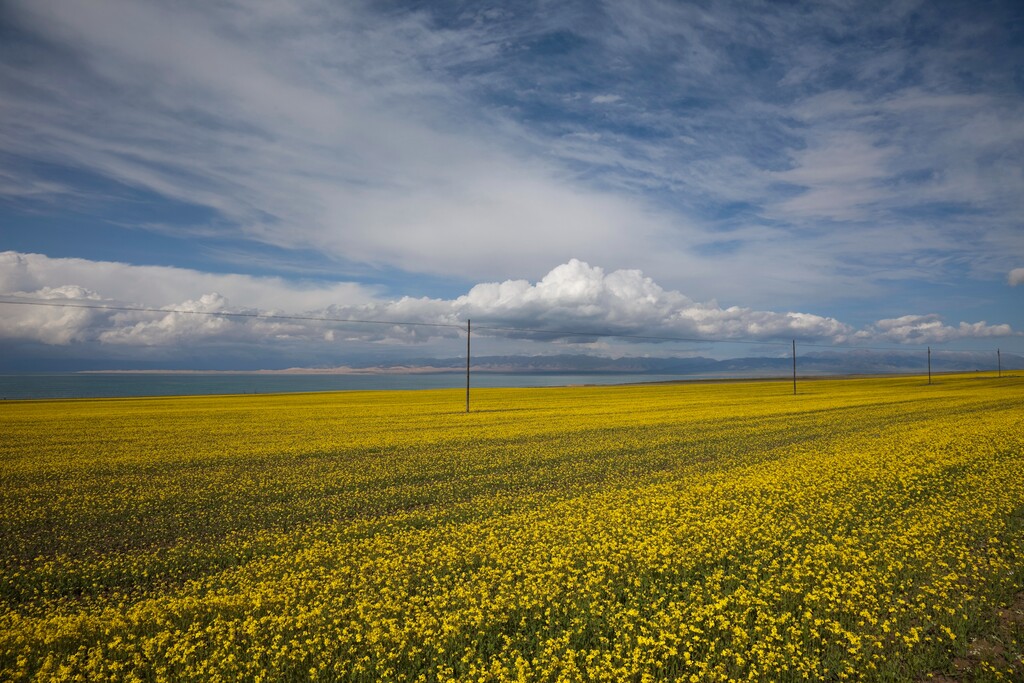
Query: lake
pixel 112 385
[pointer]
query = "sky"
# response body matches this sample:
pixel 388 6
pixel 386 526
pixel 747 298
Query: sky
pixel 839 173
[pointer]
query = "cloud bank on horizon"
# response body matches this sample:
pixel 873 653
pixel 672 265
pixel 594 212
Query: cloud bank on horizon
pixel 846 172
pixel 574 296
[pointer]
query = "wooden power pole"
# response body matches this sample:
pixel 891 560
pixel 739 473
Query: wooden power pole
pixel 794 367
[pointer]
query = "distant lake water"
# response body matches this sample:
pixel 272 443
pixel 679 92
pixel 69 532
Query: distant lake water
pixel 112 385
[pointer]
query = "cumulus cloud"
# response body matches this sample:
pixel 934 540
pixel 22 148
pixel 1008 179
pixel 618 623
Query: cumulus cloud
pixel 1016 277
pixel 573 297
pixel 189 321
pixel 53 323
pixel 922 329
pixel 578 296
pixel 88 318
pixel 190 296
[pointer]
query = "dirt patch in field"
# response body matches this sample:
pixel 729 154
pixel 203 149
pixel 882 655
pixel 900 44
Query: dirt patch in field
pixel 996 656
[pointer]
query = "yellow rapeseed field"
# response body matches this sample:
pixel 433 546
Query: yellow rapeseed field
pixel 863 529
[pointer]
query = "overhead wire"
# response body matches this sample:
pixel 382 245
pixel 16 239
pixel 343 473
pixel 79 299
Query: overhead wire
pixel 457 326
pixel 228 314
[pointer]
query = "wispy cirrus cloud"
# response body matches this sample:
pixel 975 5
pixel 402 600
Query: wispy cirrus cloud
pixel 342 138
pixel 495 140
pixel 781 160
pixel 165 285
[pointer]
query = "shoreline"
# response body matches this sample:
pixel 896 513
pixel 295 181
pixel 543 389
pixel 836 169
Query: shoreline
pixel 511 381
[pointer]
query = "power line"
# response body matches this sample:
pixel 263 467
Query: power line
pixel 456 326
pixel 493 328
pixel 259 316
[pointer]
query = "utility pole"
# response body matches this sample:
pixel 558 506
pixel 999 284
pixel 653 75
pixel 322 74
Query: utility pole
pixel 794 367
pixel 469 327
pixel 929 365
pixel 999 360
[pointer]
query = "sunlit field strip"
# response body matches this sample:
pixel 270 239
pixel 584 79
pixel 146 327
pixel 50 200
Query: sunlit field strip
pixel 863 529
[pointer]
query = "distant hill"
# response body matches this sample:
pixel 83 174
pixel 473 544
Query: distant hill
pixel 816 362
pixel 812 363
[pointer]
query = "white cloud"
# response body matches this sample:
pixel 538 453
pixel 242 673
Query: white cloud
pixel 577 296
pixel 166 286
pixel 53 324
pixel 1016 277
pixel 930 329
pixel 343 137
pixel 188 322
pixel 574 296
pixel 396 140
pixel 107 283
pixel 841 174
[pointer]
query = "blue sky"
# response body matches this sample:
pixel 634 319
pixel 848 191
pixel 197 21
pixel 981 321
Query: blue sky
pixel 843 173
